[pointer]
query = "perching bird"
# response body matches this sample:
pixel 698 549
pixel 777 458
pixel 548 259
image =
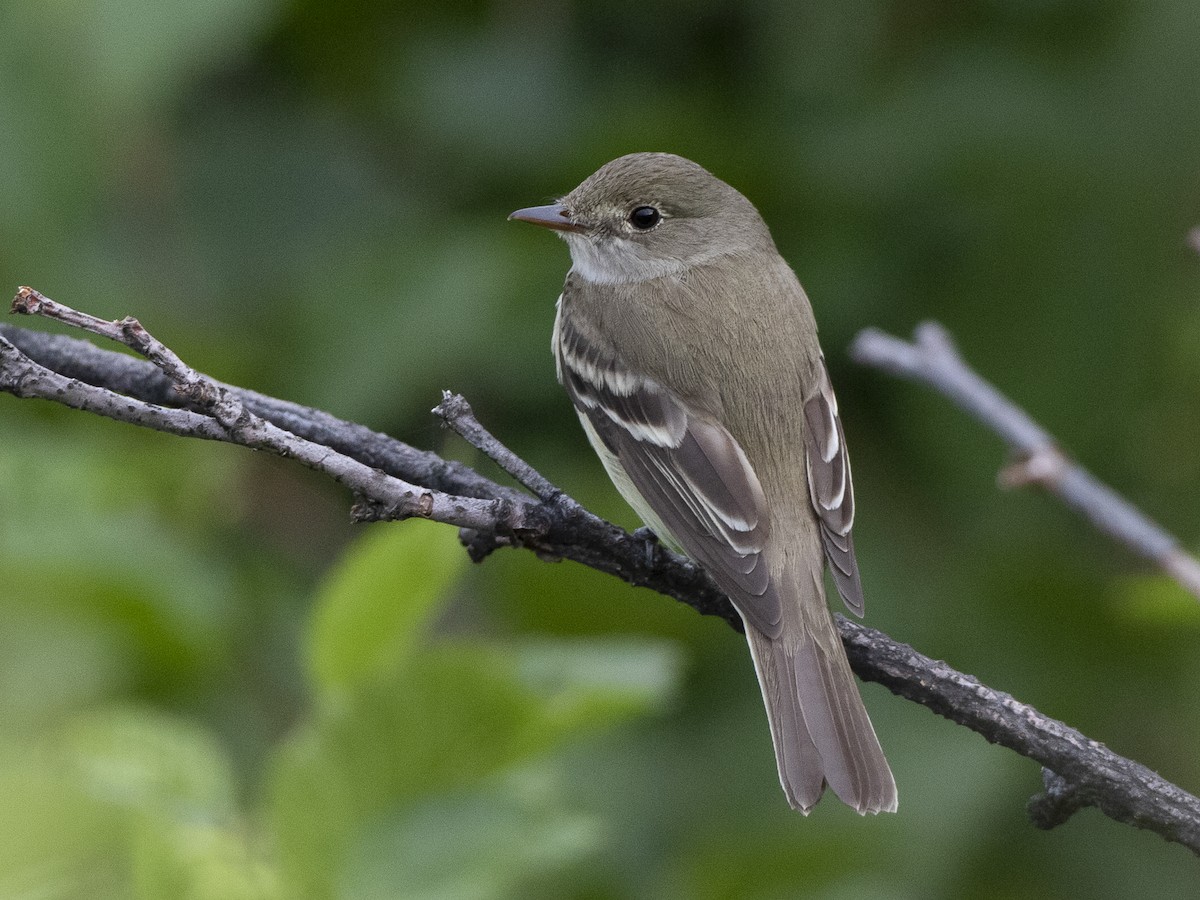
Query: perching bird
pixel 690 352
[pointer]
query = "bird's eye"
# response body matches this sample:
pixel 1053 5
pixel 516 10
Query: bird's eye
pixel 644 218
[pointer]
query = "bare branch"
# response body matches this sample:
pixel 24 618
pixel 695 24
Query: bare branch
pixel 1083 772
pixel 570 532
pixel 456 412
pixel 933 360
pixel 393 480
pixel 22 377
pixel 231 421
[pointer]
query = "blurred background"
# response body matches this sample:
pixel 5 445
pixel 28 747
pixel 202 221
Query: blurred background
pixel 213 686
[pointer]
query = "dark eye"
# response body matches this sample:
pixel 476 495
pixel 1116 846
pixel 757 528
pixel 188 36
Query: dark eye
pixel 644 218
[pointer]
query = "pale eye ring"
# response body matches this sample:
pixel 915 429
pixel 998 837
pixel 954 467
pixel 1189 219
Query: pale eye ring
pixel 643 218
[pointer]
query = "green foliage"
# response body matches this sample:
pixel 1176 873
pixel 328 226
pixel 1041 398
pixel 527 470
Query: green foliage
pixel 169 791
pixel 211 685
pixel 507 838
pixel 406 731
pixel 451 719
pixel 375 601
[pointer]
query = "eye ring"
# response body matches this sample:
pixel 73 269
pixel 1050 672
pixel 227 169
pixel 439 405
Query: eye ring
pixel 643 218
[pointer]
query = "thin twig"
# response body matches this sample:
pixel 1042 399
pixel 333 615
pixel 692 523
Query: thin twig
pixel 231 421
pixel 933 360
pixel 456 412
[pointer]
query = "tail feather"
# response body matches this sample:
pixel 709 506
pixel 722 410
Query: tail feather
pixel 837 721
pixel 800 769
pixel 819 726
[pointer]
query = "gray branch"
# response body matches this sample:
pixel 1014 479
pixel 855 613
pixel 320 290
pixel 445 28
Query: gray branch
pixel 393 480
pixel 933 360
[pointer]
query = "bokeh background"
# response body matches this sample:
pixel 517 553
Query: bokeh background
pixel 213 686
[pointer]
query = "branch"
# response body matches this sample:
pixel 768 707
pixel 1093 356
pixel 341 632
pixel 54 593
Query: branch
pixel 74 372
pixel 228 419
pixel 933 360
pixel 1078 770
pixel 167 395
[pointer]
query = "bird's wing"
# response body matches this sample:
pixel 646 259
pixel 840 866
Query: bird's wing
pixel 830 488
pixel 688 469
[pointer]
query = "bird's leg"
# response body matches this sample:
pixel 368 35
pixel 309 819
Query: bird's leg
pixel 645 533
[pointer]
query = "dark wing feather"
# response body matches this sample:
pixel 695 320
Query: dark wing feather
pixel 830 488
pixel 690 471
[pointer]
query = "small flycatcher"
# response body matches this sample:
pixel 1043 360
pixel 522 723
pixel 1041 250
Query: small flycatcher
pixel 690 352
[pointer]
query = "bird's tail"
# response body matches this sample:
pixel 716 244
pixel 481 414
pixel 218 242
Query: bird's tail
pixel 819 726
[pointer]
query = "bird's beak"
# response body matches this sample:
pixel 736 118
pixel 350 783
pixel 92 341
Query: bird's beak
pixel 554 216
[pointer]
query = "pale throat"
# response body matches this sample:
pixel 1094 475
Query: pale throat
pixel 615 261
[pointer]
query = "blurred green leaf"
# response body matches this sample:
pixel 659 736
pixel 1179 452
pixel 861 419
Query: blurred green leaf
pixel 152 763
pixel 60 841
pixel 169 794
pixel 196 861
pixel 103 586
pixel 586 684
pixel 490 843
pixel 376 601
pixel 445 719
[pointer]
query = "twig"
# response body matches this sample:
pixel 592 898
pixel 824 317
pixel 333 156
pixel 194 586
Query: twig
pixel 1056 804
pixel 127 389
pixel 230 420
pixel 456 412
pixel 932 359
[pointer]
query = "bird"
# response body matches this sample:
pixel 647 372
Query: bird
pixel 690 353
